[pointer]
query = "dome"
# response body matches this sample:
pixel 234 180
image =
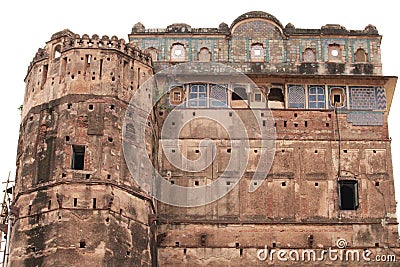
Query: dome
pixel 256 14
pixel 179 27
pixel 138 27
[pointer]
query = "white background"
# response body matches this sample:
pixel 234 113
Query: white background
pixel 27 25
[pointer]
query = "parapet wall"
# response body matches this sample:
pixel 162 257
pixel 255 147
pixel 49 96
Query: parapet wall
pixel 70 64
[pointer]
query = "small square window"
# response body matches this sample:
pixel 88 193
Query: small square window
pixel 257 97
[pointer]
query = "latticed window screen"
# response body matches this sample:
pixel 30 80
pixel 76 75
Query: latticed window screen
pixel 316 97
pixel 218 95
pixel 198 95
pixel 297 96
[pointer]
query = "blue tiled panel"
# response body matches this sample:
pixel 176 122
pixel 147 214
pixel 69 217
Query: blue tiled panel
pixel 297 96
pixel 330 88
pixel 362 98
pixel 365 118
pixel 316 96
pixel 380 94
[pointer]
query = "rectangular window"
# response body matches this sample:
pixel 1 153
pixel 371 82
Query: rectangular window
pixel 257 97
pixel 177 96
pixel 219 95
pixel 336 99
pixel 297 96
pixel 348 194
pixel 316 97
pixel 198 95
pixel 78 157
pixel 239 93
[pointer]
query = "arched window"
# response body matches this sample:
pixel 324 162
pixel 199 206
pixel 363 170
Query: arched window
pixel 360 56
pixel 204 55
pixel 57 51
pixel 308 55
pixel 178 52
pixel 337 97
pixel 153 53
pixel 257 52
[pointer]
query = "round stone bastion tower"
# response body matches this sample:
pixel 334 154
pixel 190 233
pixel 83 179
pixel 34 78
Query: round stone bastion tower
pixel 74 195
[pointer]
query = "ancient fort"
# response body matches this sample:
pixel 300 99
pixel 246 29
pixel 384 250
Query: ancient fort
pixel 77 204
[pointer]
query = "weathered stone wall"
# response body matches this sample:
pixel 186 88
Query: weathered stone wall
pixel 283 48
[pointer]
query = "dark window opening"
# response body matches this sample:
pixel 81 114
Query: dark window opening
pixel 94 203
pixel 377 184
pixel 348 195
pixel 196 183
pixel 283 183
pixel 275 94
pixel 75 202
pixel 184 251
pixel 82 244
pixel 316 184
pixel 78 157
pixel 274 244
pixel 101 68
pixel 336 99
pixel 203 239
pixel 239 93
pixel 49 205
pixel 310 240
pixel 176 244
